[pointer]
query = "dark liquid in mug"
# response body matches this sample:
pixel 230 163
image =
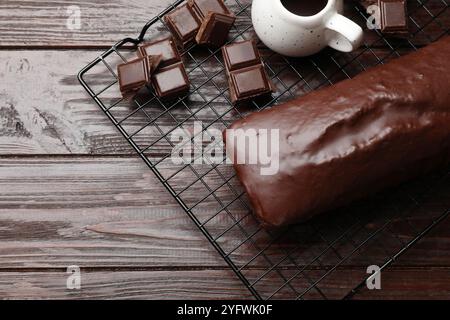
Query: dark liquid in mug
pixel 304 7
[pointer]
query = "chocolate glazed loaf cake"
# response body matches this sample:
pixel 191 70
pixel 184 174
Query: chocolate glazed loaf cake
pixel 338 144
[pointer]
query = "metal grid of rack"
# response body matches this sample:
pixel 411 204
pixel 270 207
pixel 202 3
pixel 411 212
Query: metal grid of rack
pixel 303 261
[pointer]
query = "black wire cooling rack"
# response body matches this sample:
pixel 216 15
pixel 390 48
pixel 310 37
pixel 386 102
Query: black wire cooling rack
pixel 326 258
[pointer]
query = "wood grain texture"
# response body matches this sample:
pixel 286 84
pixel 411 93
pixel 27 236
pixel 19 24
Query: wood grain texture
pixel 183 285
pixel 397 283
pixel 44 23
pixel 73 193
pixel 39 105
pixel 95 212
pixel 106 212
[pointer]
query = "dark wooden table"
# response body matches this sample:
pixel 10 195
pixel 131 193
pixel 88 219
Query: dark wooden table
pixel 73 193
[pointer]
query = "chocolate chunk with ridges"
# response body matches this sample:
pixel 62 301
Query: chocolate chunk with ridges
pixel 164 47
pixel 136 74
pixel 240 55
pixel 203 7
pixel 393 16
pixel 245 70
pixel 184 25
pixel 215 29
pixel 171 82
pixel 248 83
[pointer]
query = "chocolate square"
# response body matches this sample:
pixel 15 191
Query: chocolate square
pixel 203 7
pixel 215 29
pixel 249 83
pixel 184 25
pixel 165 47
pixel 171 82
pixel 245 70
pixel 135 74
pixel 393 16
pixel 240 55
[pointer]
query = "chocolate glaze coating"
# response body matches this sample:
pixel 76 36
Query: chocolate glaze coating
pixel 338 144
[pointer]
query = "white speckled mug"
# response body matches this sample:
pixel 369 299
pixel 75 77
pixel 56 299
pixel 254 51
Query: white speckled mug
pixel 297 36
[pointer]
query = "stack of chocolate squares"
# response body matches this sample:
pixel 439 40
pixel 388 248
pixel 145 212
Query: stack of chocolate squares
pixel 246 73
pixel 136 74
pixel 160 67
pixel 205 22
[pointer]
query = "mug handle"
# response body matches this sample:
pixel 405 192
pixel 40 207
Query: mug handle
pixel 345 35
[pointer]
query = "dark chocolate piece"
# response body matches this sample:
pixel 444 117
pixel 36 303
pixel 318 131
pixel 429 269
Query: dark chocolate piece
pixel 136 74
pixel 249 83
pixel 165 47
pixel 215 29
pixel 393 16
pixel 388 125
pixel 245 71
pixel 184 24
pixel 171 82
pixel 240 55
pixel 153 62
pixel 203 7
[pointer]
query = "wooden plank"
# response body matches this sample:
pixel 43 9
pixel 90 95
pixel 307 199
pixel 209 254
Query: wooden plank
pixel 94 212
pixel 25 23
pixel 185 285
pixel 107 212
pixel 44 24
pixel 44 110
pixel 411 284
pixel 397 284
